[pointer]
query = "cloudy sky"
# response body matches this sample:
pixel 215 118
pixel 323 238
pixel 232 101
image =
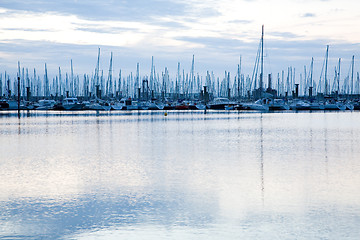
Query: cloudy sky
pixel 217 32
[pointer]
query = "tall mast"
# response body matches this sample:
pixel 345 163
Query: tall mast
pixel 60 82
pixel 178 81
pixel 305 81
pixel 46 90
pixel 1 90
pixel 119 85
pixel 72 80
pixel 192 74
pixel 152 84
pixel 97 68
pixel 137 79
pixel 262 59
pixel 239 76
pixel 352 74
pixel 34 82
pixel 110 90
pixel 18 83
pixel 326 64
pixel 338 77
pixel 358 83
pixel 311 72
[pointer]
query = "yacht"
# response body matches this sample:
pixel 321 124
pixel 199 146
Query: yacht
pixel 125 104
pixel 72 104
pixel 331 105
pixel 258 105
pixel 300 105
pixel 276 104
pixel 45 104
pixel 220 103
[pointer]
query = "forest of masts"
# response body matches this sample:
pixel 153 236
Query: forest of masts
pixel 184 85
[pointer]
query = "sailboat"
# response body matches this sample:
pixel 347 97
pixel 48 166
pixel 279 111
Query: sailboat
pixel 260 92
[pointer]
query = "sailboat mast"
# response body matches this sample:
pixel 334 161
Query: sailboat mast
pixel 358 84
pixel 97 68
pixel 192 74
pixel 311 72
pixel 352 74
pixel 152 83
pixel 72 79
pixel 177 92
pixel 238 78
pixel 338 77
pixel 262 59
pixel 326 66
pixel 110 90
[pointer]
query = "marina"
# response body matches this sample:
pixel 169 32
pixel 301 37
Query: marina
pixel 186 91
pixel 111 128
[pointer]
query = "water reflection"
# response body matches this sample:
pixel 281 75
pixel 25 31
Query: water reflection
pixel 262 159
pixel 182 176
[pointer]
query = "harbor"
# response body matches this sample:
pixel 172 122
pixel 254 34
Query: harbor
pixel 179 120
pixel 184 92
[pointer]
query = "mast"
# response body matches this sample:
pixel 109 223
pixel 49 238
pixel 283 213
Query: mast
pixel 326 66
pixel 177 82
pixel 262 59
pixel 72 80
pixel 46 89
pixel 1 90
pixel 110 90
pixel 305 81
pixel 60 82
pixel 311 77
pixel 293 78
pixel 18 89
pixel 119 84
pixel 35 83
pixel 152 84
pixel 352 74
pixel 97 68
pixel 358 84
pixel 239 76
pixel 338 77
pixel 137 80
pixel 192 74
pixel 278 84
pixel 228 85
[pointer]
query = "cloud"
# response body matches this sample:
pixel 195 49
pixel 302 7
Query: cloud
pixel 102 10
pixel 26 29
pixel 225 44
pixel 283 35
pixel 308 15
pixel 217 32
pixel 239 21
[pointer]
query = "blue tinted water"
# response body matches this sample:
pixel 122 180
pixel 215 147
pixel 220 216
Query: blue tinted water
pixel 143 175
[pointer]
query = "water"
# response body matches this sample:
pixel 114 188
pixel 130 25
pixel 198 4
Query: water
pixel 143 175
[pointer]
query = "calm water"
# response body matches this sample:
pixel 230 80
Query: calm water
pixel 143 175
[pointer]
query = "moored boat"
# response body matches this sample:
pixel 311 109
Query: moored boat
pixel 277 104
pixel 4 105
pixel 257 105
pixel 72 104
pixel 45 104
pixel 220 103
pixel 299 105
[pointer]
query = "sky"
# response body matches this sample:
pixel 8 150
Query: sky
pixel 216 32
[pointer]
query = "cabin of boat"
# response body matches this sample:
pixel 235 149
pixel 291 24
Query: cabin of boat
pixel 220 103
pixel 4 105
pixel 72 103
